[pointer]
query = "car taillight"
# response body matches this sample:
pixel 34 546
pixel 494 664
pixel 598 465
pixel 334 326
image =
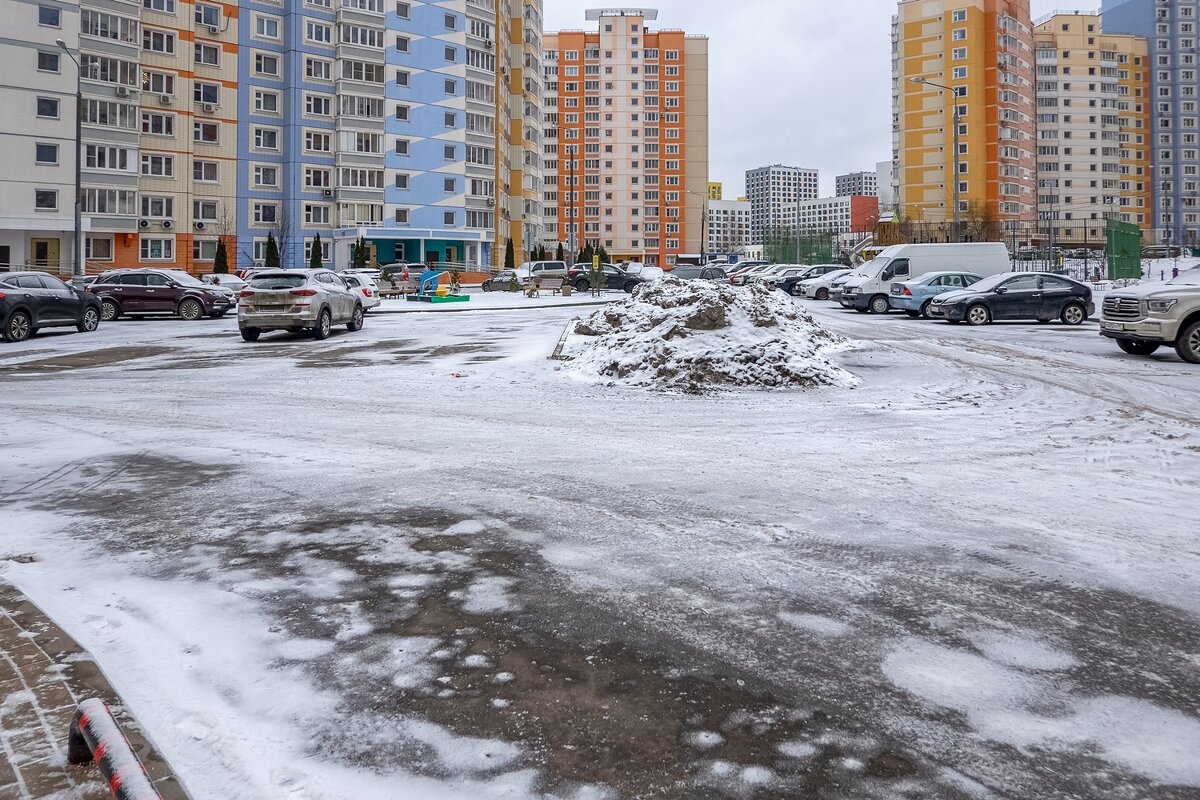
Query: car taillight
pixel 366 293
pixel 246 293
pixel 303 292
pixel 907 292
pixel 3 295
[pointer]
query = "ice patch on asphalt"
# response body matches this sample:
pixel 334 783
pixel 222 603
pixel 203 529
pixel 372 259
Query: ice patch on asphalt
pixel 1010 706
pixel 699 336
pixel 488 595
pixel 815 623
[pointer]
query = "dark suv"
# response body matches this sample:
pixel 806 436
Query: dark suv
pixel 33 300
pixel 580 276
pixel 157 291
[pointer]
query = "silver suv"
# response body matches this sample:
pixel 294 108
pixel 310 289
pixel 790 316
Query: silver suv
pixel 296 300
pixel 1147 316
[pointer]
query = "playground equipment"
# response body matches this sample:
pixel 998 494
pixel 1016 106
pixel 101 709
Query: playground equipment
pixel 429 290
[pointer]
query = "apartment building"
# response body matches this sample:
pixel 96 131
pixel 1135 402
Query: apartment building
pixel 728 226
pixel 716 190
pixel 887 189
pixel 626 137
pixel 857 183
pixel 840 215
pixel 1171 30
pixel 982 52
pixel 37 89
pixel 774 191
pixel 1093 123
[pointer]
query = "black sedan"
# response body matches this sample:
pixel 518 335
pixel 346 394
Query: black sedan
pixel 1016 295
pixel 615 278
pixel 33 300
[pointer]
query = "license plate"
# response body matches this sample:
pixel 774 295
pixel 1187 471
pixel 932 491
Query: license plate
pixel 1112 326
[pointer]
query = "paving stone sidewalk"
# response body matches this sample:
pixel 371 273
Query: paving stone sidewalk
pixel 44 674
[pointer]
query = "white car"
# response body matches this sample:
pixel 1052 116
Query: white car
pixel 819 288
pixel 646 273
pixel 743 278
pixel 362 285
pixel 228 285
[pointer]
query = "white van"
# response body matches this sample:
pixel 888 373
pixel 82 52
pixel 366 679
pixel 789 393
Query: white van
pixel 870 284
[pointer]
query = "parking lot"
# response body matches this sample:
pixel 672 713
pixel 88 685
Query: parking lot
pixel 420 560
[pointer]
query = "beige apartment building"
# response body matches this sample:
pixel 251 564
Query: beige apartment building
pixel 626 138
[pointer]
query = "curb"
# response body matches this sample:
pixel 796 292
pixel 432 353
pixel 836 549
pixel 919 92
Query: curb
pixel 44 676
pixel 456 309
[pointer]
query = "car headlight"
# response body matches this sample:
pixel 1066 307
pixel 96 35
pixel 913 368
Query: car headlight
pixel 1161 306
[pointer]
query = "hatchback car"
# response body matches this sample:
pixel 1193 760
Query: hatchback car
pixel 819 287
pixel 30 301
pixel 158 291
pixel 366 289
pixel 913 297
pixel 1020 295
pixel 792 282
pixel 296 300
pixel 689 273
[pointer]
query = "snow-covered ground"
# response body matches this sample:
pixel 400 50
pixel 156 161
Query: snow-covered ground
pixel 425 561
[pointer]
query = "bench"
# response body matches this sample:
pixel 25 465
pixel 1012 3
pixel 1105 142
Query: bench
pixel 552 285
pixel 397 287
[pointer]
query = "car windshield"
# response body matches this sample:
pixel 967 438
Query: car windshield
pixel 183 278
pixel 687 273
pixel 987 284
pixel 1189 278
pixel 277 281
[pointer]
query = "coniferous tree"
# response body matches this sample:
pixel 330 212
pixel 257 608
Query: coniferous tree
pixel 221 259
pixel 559 255
pixel 510 258
pixel 314 260
pixel 271 257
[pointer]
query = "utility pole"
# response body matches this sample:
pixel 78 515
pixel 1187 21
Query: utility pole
pixel 571 241
pixel 956 119
pixel 77 256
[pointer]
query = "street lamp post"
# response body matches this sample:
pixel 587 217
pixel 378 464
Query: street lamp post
pixel 703 221
pixel 954 100
pixel 77 267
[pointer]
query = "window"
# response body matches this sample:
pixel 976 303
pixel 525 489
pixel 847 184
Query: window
pixel 98 248
pixel 960 72
pixel 402 181
pixel 50 17
pixel 266 139
pixel 401 216
pixel 317 142
pixel 266 27
pixel 206 92
pixel 155 41
pixel 448 219
pixel 158 249
pixel 317 178
pixel 318 70
pixel 158 82
pixel 266 102
pixel 959 35
pixel 158 124
pixel 208 15
pixel 47 107
pixel 45 199
pixel 958 15
pixel 266 176
pixel 204 249
pixel 207 54
pixel 316 32
pixel 204 132
pixel 165 6
pixel 158 207
pixel 266 64
pixel 108 26
pixel 265 213
pixel 402 147
pixel 158 165
pixel 205 171
pixel 47 62
pixel 402 44
pixel 316 214
pixel 402 10
pixel 45 153
pixel 448 152
pixel 448 185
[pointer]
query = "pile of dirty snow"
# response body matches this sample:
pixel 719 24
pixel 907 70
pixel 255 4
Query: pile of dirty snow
pixel 697 336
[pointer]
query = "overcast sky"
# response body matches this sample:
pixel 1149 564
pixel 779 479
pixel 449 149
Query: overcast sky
pixel 800 82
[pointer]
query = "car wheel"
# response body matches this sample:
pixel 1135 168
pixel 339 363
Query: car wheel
pixel 822 294
pixel 89 321
pixel 913 314
pixel 356 320
pixel 486 286
pixel 190 309
pixel 1074 314
pixel 924 312
pixel 19 327
pixel 109 310
pixel 250 334
pixel 324 325
pixel 979 315
pixel 880 304
pixel 1187 345
pixel 1137 348
pixel 583 286
pixel 629 287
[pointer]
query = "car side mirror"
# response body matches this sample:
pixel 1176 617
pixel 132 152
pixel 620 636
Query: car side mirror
pixel 1001 290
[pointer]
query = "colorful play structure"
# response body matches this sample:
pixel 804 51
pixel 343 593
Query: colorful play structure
pixel 430 290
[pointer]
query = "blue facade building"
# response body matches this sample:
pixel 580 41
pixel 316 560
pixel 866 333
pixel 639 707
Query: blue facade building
pixel 1171 28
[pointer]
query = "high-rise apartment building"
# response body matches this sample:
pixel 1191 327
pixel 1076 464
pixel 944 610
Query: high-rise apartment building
pixel 728 226
pixel 627 137
pixel 887 191
pixel 840 215
pixel 1170 26
pixel 982 51
pixel 1093 127
pixel 37 140
pixel 716 190
pixel 774 192
pixel 864 184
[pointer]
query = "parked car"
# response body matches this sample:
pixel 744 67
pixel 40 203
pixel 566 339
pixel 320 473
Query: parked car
pixel 820 286
pixel 229 285
pixel 366 289
pixel 158 291
pixel 791 283
pixel 913 297
pixel 30 301
pixel 870 284
pixel 580 276
pixel 700 274
pixel 773 274
pixel 838 285
pixel 1016 295
pixel 743 277
pixel 542 269
pixel 637 269
pixel 502 282
pixel 1161 251
pixel 1147 316
pixel 297 300
pixel 373 273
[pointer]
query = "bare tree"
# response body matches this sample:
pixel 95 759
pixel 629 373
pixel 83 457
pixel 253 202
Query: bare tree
pixel 284 229
pixel 979 223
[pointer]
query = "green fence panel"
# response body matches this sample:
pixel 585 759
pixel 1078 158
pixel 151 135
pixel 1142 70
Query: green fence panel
pixel 1124 250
